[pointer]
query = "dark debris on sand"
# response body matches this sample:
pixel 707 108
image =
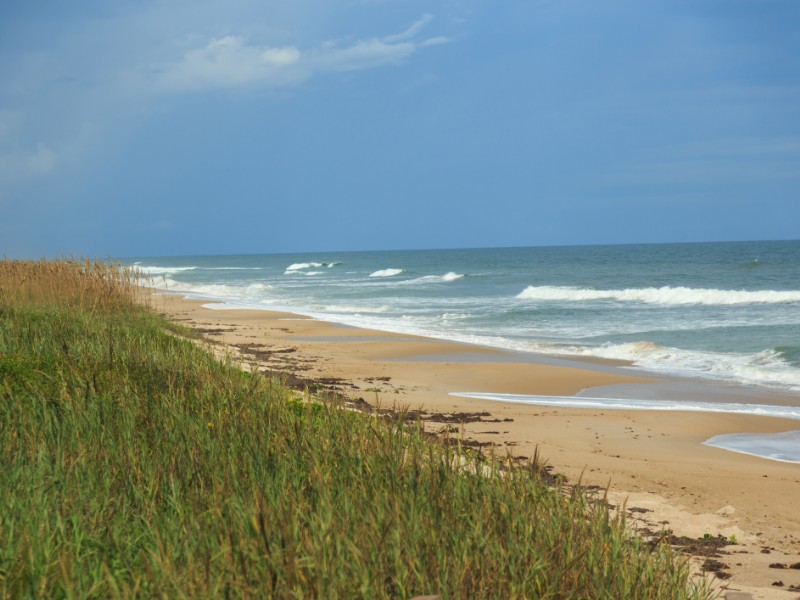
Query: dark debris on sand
pixel 709 547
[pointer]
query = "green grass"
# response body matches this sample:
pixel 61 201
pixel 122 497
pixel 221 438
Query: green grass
pixel 134 464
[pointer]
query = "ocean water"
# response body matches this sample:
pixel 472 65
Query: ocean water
pixel 727 312
pixel 783 447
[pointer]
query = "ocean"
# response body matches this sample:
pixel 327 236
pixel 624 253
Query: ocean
pixel 728 312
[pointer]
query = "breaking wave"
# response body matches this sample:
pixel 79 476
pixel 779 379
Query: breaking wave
pixel 213 290
pixel 387 273
pixel 768 367
pixel 436 278
pixel 154 270
pixel 150 270
pixel 297 267
pixel 663 295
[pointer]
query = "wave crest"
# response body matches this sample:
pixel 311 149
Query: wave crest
pixel 301 266
pixel 436 278
pixel 387 272
pixel 663 295
pixel 214 290
pixel 150 270
pixel 767 367
pixel 296 267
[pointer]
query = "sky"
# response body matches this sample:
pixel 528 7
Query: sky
pixel 193 127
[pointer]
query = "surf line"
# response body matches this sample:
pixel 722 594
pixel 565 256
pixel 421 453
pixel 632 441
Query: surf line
pixel 782 447
pixel 763 410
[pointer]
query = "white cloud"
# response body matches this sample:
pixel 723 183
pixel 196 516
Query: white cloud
pixel 229 62
pixel 435 41
pixel 281 56
pixel 409 33
pixel 362 55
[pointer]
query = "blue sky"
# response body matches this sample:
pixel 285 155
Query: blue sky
pixel 169 127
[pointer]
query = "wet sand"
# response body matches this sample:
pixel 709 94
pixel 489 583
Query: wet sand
pixel 651 461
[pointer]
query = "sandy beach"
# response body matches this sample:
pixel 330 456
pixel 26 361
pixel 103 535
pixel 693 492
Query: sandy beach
pixel 652 461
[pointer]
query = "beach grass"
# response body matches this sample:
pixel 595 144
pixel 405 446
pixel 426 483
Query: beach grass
pixel 136 464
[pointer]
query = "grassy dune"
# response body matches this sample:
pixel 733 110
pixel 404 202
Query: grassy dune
pixel 134 464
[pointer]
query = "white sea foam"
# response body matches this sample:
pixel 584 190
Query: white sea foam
pixel 296 267
pixel 663 295
pixel 761 368
pixel 387 272
pixel 764 410
pixel 435 278
pixel 449 317
pixel 152 270
pixel 784 446
pixel 301 266
pixel 354 310
pixel 213 290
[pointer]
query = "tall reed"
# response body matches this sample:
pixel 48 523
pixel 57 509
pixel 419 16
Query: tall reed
pixel 135 464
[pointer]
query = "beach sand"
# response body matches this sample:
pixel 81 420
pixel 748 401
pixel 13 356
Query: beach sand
pixel 653 462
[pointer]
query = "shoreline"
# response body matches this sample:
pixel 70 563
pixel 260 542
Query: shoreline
pixel 655 460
